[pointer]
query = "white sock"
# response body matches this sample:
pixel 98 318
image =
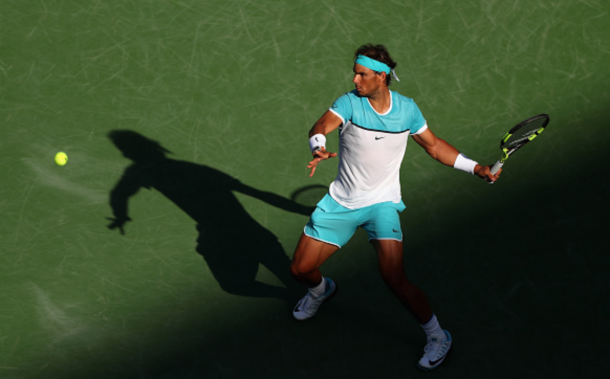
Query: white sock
pixel 318 290
pixel 433 328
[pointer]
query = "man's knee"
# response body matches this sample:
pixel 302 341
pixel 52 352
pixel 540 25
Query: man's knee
pixel 300 268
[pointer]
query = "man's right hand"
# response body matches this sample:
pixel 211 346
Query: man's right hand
pixel 318 157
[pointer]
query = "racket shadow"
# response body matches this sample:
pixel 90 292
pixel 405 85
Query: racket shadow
pixel 310 195
pixel 230 240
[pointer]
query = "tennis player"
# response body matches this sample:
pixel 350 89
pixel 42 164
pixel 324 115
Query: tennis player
pixel 374 125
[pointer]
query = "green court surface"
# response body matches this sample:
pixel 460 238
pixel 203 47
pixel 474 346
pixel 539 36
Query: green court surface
pixel 223 94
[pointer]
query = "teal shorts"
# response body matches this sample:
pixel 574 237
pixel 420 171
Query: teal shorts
pixel 332 223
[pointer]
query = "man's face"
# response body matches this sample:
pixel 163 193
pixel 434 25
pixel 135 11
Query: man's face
pixel 367 81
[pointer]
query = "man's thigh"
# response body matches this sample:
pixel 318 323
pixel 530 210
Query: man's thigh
pixel 382 221
pixel 332 223
pixel 311 253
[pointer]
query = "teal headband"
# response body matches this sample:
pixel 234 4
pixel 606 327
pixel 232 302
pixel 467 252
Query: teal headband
pixel 375 65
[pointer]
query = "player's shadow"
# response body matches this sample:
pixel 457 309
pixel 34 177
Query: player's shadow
pixel 232 242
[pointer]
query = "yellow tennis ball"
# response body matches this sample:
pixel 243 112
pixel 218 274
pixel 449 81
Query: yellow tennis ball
pixel 61 158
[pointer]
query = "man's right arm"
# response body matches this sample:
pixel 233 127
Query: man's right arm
pixel 128 186
pixel 325 125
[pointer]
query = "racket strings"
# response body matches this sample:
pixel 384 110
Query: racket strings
pixel 515 140
pixel 524 133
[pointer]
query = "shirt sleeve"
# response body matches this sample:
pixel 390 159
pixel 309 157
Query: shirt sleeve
pixel 418 122
pixel 342 107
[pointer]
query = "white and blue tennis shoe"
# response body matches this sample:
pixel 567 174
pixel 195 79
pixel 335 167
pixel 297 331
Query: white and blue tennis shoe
pixel 435 352
pixel 309 304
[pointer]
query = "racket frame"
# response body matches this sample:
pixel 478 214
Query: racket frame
pixel 506 151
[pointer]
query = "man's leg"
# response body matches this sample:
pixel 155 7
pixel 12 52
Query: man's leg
pixel 305 269
pixel 390 256
pixel 392 271
pixel 308 257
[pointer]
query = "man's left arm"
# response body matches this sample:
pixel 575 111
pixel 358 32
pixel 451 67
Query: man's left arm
pixel 448 155
pixel 129 184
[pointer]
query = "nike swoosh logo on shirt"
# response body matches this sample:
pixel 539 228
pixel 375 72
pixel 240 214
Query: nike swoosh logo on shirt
pixel 378 138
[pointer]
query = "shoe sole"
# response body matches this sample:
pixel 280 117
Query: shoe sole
pixel 325 300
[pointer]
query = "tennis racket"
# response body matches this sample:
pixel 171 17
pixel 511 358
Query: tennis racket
pixel 518 136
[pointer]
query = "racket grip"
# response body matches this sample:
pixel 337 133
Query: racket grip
pixel 496 167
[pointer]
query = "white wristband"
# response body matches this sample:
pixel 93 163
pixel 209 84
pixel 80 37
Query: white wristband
pixel 463 163
pixel 317 142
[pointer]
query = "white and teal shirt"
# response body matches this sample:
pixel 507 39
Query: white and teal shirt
pixel 371 148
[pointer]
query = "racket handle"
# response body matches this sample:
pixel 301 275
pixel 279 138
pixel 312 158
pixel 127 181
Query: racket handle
pixel 496 167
